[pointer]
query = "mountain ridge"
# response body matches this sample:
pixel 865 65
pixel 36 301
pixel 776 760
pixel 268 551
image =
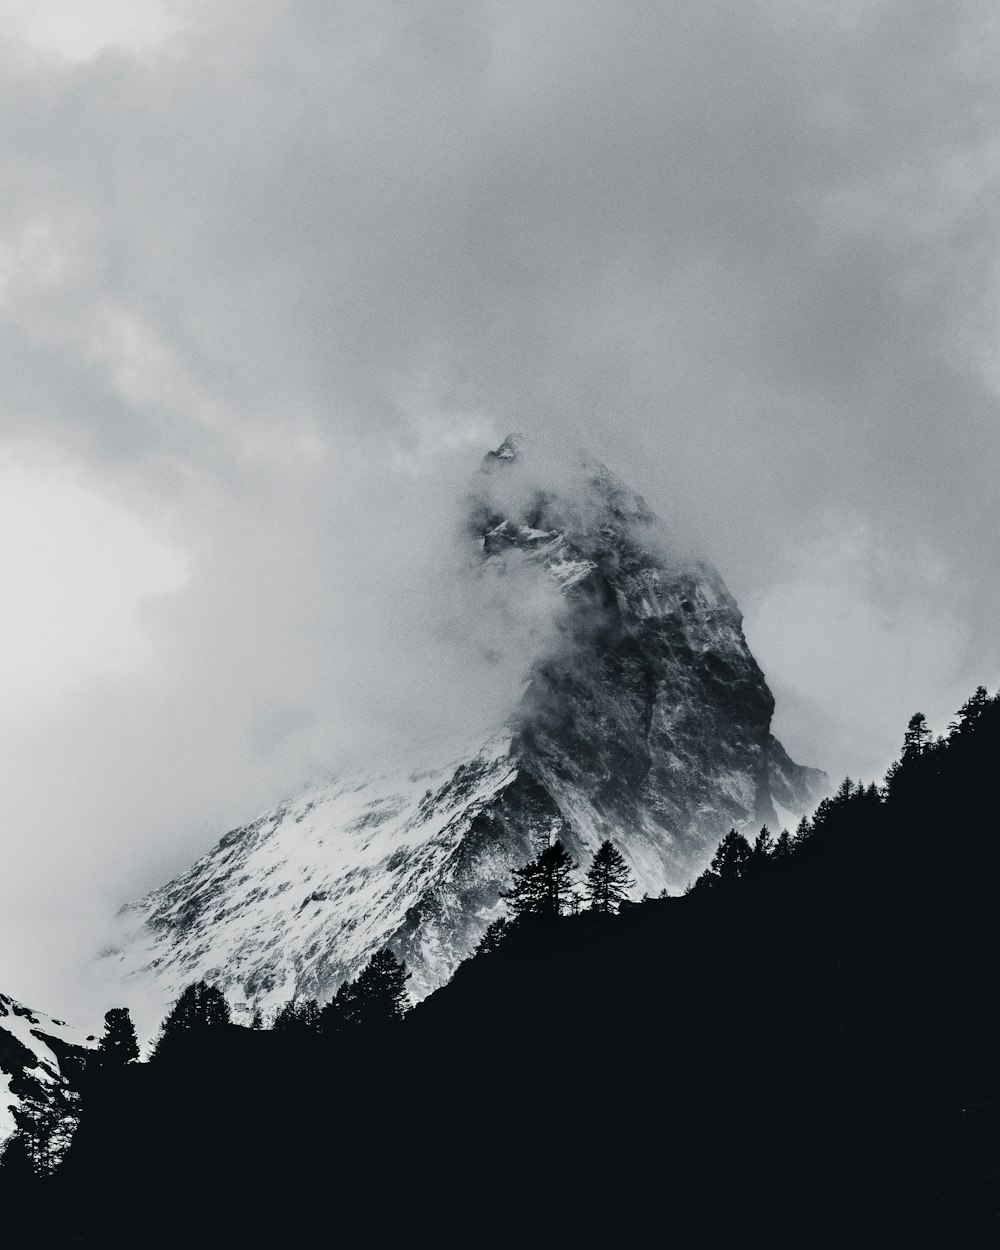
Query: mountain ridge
pixel 646 720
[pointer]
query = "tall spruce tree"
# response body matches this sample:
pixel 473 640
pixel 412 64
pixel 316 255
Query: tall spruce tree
pixel 729 862
pixel 300 1016
pixel 917 738
pixel 286 1017
pixel 608 879
pixel 970 711
pixel 783 846
pixel 761 851
pixel 45 1129
pixel 119 1044
pixel 544 886
pixel 493 937
pixel 380 991
pixel 339 1015
pixel 376 1000
pixel 201 1006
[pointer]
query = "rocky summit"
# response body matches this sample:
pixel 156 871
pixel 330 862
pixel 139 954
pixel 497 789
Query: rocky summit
pixel 646 720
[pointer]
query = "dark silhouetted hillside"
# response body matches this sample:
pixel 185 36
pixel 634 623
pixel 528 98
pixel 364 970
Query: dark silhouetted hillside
pixel 804 1055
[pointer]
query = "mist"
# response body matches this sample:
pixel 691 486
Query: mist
pixel 274 277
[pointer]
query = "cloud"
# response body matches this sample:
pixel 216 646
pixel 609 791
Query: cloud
pixel 893 621
pixel 271 281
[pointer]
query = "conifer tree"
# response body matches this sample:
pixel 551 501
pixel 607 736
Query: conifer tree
pixel 494 935
pixel 380 997
pixel 298 1016
pixel 201 1006
pixel 608 879
pixel 761 850
pixel 347 1004
pixel 544 886
pixel 286 1017
pixel 525 896
pixel 783 846
pixel 917 737
pixel 729 862
pixel 44 1132
pixel 340 1013
pixel 375 1000
pixel 119 1044
pixel 970 711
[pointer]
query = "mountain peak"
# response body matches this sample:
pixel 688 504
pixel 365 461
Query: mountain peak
pixel 538 485
pixel 508 449
pixel 646 722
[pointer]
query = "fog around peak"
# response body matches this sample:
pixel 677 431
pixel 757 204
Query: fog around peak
pixel 271 285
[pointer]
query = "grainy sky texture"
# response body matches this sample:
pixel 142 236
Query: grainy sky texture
pixel 274 275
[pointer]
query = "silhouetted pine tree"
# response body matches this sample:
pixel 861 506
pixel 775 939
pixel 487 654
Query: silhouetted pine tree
pixel 783 845
pixel 761 850
pixel 44 1132
pixel 729 862
pixel 380 991
pixel 608 879
pixel 872 798
pixel 544 886
pixel 298 1016
pixel 119 1044
pixel 970 712
pixel 495 933
pixel 375 1000
pixel 340 1014
pixel 201 1006
pixel 917 737
pixel 284 1018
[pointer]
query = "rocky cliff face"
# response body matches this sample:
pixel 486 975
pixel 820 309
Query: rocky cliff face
pixel 40 1062
pixel 647 721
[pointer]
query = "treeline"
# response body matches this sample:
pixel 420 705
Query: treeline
pixel 926 764
pixel 799 1051
pixel 377 998
pixel 372 1003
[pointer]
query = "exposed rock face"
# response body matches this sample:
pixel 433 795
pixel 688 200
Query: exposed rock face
pixel 648 722
pixel 40 1062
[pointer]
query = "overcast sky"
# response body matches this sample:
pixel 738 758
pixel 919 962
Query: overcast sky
pixel 273 275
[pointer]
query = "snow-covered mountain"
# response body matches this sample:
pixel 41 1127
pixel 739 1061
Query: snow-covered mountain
pixel 646 721
pixel 40 1060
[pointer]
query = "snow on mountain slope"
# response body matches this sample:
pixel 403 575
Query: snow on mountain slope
pixel 307 892
pixel 39 1059
pixel 646 721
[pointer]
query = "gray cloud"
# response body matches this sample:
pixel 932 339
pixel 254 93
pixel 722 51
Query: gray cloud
pixel 276 284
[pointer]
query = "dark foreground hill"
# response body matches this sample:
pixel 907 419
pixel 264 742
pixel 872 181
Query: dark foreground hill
pixel 805 1056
